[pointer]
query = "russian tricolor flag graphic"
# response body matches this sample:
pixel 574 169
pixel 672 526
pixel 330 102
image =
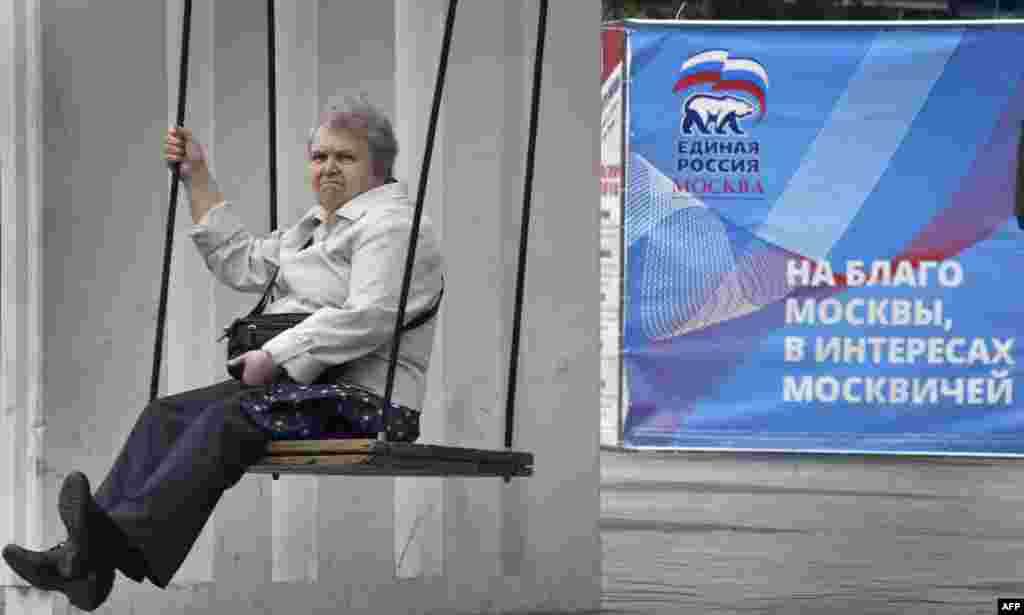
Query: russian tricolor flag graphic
pixel 704 67
pixel 716 68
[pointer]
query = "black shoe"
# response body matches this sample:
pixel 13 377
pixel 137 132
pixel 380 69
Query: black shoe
pixel 39 568
pixel 94 540
pixel 75 505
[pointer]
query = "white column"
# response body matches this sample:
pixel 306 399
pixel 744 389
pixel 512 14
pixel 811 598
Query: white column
pixel 191 359
pixel 558 400
pixel 354 44
pixel 21 378
pixel 22 424
pixel 295 500
pixel 11 282
pixel 243 519
pixel 419 502
pixel 482 154
pixel 533 544
pixel 356 50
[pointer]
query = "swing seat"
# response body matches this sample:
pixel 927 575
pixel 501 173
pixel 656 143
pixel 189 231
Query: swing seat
pixel 368 457
pixel 309 409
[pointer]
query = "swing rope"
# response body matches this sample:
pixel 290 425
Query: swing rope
pixel 531 148
pixel 161 316
pixel 272 109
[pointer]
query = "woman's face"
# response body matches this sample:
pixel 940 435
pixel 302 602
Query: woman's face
pixel 340 166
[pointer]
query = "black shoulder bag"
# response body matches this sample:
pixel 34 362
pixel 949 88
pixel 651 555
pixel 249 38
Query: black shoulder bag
pixel 253 330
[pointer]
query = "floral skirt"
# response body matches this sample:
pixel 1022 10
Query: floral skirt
pixel 289 411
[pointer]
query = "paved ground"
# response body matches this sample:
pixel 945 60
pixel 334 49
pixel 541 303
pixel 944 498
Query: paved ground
pixel 710 533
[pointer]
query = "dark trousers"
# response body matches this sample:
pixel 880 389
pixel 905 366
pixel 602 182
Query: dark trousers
pixel 183 453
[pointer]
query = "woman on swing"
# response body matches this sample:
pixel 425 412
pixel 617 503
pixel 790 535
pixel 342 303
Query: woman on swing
pixel 185 450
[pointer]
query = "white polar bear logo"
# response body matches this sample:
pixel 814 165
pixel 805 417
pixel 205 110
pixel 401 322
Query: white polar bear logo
pixel 712 114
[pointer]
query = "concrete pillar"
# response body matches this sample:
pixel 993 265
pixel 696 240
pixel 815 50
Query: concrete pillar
pixel 190 360
pixel 243 524
pixel 294 503
pixel 355 50
pixel 419 502
pixel 22 421
pixel 557 415
pixel 499 541
pixel 352 524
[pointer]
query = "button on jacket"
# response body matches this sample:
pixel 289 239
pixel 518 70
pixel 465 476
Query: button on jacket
pixel 349 280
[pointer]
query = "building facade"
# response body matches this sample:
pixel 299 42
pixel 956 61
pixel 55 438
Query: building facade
pixel 89 90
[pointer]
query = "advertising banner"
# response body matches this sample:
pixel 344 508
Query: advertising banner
pixel 820 246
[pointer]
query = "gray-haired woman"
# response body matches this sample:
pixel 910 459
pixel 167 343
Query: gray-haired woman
pixel 185 450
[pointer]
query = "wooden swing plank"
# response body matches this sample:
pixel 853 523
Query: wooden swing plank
pixel 397 449
pixel 296 460
pixel 319 447
pixel 354 465
pixel 454 453
pixel 388 471
pixel 374 458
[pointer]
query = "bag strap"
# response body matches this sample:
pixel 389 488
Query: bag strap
pixel 265 299
pixel 425 316
pixel 258 309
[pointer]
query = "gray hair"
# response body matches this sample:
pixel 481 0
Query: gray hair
pixel 358 113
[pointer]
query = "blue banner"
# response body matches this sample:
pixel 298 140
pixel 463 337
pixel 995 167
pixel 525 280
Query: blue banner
pixel 820 246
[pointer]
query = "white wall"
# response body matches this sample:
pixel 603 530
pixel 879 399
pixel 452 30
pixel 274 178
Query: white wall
pixel 307 544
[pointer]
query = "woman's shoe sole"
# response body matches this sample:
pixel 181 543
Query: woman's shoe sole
pixel 87 592
pixel 90 591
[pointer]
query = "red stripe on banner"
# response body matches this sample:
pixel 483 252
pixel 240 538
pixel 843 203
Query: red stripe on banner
pixel 744 86
pixel 613 45
pixel 695 79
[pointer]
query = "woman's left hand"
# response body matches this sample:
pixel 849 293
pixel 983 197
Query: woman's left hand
pixel 257 367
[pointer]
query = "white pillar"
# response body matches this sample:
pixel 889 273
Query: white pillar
pixel 22 424
pixel 190 359
pixel 557 413
pixel 354 43
pixel 419 502
pixel 243 520
pixel 295 500
pixel 532 544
